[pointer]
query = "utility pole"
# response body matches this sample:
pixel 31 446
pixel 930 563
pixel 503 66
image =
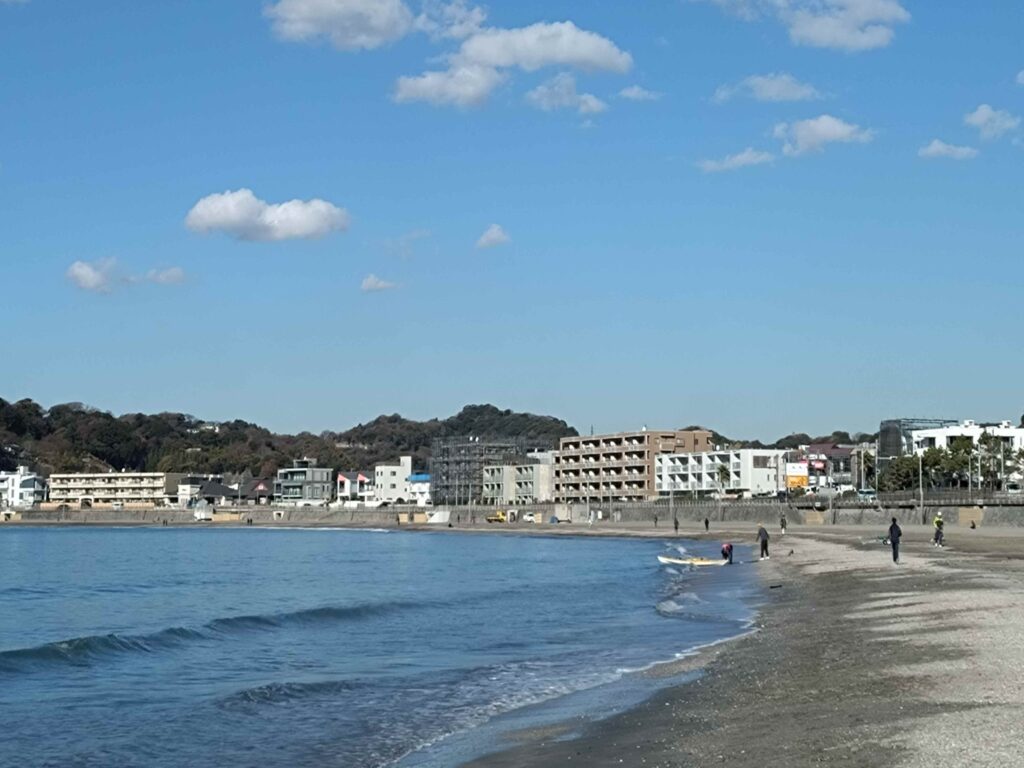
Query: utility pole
pixel 920 485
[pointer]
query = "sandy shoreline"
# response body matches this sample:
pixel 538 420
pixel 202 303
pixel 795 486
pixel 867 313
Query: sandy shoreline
pixel 857 662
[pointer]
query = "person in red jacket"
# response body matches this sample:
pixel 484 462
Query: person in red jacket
pixel 727 552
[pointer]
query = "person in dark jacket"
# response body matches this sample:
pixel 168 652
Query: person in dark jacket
pixel 727 552
pixel 707 525
pixel 895 533
pixel 762 536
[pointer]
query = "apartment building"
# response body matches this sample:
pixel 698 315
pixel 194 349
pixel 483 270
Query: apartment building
pixel 115 489
pixel 304 484
pixel 1009 436
pixel 621 466
pixel 745 472
pixel 419 489
pixel 21 489
pixel 521 483
pixel 391 481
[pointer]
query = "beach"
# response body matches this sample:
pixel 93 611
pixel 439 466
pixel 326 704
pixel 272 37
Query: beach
pixel 856 662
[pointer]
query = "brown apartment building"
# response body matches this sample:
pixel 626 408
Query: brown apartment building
pixel 618 467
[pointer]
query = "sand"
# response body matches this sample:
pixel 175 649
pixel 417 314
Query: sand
pixel 856 662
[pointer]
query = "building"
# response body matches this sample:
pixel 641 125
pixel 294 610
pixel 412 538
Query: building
pixel 355 486
pixel 21 489
pixel 115 489
pixel 1010 438
pixel 830 464
pixel 618 467
pixel 527 483
pixel 391 481
pixel 304 484
pixel 745 472
pixel 419 489
pixel 456 466
pixel 895 436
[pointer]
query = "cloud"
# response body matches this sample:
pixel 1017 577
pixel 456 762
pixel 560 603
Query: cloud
pixel 847 25
pixel 402 246
pixel 1020 77
pixel 349 25
pixel 96 276
pixel 494 236
pixel 462 86
pixel 479 65
pixel 453 19
pixel 774 87
pixel 992 123
pixel 244 216
pixel 637 93
pixel 373 284
pixel 560 93
pixel 100 276
pixel 813 135
pixel 170 276
pixel 748 156
pixel 942 149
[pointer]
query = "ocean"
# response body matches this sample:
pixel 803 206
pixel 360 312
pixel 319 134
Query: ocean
pixel 309 647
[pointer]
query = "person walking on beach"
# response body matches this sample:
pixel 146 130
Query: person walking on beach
pixel 895 532
pixel 707 525
pixel 939 540
pixel 782 523
pixel 675 524
pixel 655 519
pixel 762 536
pixel 727 552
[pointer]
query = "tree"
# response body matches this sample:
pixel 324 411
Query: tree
pixel 724 476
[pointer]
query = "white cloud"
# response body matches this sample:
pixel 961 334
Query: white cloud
pixel 246 217
pixel 942 149
pixel 638 93
pixel 494 235
pixel 748 156
pixel 813 135
pixel 96 276
pixel 373 284
pixel 992 123
pixel 462 86
pixel 452 19
pixel 848 25
pixel 774 87
pixel 101 276
pixel 476 69
pixel 348 24
pixel 1020 77
pixel 170 276
pixel 560 93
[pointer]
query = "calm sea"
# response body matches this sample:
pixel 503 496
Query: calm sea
pixel 245 647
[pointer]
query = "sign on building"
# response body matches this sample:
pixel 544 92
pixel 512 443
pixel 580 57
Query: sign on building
pixel 796 475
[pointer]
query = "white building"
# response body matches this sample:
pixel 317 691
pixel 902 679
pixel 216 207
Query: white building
pixel 391 481
pixel 355 486
pixel 748 472
pixel 1010 436
pixel 21 489
pixel 532 483
pixel 115 489
pixel 419 489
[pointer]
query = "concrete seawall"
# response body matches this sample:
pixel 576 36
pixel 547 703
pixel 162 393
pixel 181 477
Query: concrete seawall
pixel 741 512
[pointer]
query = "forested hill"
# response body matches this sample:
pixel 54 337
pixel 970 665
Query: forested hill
pixel 74 437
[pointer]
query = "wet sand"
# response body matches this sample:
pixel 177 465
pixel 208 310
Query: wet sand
pixel 856 662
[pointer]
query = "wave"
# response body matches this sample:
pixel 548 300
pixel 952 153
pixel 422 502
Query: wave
pixel 88 650
pixel 283 693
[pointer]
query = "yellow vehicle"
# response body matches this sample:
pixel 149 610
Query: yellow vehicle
pixel 497 517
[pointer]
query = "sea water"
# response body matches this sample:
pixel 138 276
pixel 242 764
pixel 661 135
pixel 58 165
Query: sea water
pixel 235 647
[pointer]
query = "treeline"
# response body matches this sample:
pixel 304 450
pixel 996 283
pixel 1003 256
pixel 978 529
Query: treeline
pixel 74 438
pixel 987 465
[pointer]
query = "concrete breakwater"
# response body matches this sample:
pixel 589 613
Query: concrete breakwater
pixel 767 512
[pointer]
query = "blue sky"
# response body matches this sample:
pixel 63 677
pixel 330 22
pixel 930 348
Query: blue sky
pixel 808 216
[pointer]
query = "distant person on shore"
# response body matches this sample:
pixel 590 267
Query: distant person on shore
pixel 675 524
pixel 895 533
pixel 655 519
pixel 707 525
pixel 762 536
pixel 727 552
pixel 782 523
pixel 973 525
pixel 938 522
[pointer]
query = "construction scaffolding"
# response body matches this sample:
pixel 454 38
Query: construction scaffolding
pixel 457 466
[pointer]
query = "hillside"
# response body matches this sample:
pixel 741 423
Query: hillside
pixel 74 437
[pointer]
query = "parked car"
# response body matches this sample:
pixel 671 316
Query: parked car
pixel 528 517
pixel 866 494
